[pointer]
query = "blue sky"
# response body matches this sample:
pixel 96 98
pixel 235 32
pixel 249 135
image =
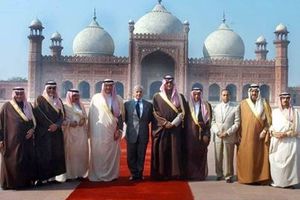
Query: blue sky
pixel 248 18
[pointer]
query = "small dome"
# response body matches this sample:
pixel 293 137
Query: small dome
pixel 261 40
pixel 56 36
pixel 281 28
pixel 224 44
pixel 36 23
pixel 93 41
pixel 158 21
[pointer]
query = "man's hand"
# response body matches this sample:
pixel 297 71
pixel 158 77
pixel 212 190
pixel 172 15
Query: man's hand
pixel 81 122
pixel 1 146
pixel 52 128
pixel 279 135
pixel 29 134
pixel 169 125
pixel 73 124
pixel 117 134
pixel 205 139
pixel 222 135
pixel 262 134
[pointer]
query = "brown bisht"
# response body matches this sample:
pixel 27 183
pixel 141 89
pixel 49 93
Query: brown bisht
pixel 18 162
pixel 253 152
pixel 166 160
pixel 194 147
pixel 49 146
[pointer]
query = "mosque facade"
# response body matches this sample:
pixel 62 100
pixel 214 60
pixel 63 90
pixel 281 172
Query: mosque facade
pixel 158 45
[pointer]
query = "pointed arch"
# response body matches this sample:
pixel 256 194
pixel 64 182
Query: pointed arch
pixel 84 89
pixel 120 89
pixel 245 91
pixel 98 87
pixel 154 88
pixel 232 90
pixel 66 85
pixel 214 92
pixel 265 91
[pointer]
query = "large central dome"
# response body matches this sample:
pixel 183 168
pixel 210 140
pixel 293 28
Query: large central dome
pixel 224 44
pixel 158 21
pixel 93 41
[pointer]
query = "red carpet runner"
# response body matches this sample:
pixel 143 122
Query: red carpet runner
pixel 125 189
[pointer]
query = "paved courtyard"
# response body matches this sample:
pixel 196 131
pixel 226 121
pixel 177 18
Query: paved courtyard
pixel 205 190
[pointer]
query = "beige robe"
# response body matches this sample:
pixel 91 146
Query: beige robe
pixel 105 151
pixel 76 144
pixel 252 153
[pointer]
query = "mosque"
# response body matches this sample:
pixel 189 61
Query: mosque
pixel 158 45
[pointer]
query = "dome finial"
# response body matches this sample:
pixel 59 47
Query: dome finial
pixel 159 1
pixel 95 14
pixel 224 19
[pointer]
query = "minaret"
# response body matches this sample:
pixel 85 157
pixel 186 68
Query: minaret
pixel 130 80
pixel 186 29
pixel 261 48
pixel 281 43
pixel 56 47
pixel 35 59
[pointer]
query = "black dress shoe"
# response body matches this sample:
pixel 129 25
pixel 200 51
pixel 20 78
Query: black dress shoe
pixel 219 178
pixel 134 178
pixel 229 180
pixel 38 183
pixel 55 182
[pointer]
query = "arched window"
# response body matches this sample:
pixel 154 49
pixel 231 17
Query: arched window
pixel 245 91
pixel 98 87
pixel 120 89
pixel 154 88
pixel 66 85
pixel 84 89
pixel 198 85
pixel 232 90
pixel 214 92
pixel 265 91
pixel 2 93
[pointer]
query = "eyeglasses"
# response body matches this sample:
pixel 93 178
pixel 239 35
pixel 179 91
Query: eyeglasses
pixel 51 88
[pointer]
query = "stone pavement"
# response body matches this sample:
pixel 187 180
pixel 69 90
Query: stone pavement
pixel 205 190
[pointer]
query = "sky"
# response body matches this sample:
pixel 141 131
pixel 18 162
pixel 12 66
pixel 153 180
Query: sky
pixel 249 18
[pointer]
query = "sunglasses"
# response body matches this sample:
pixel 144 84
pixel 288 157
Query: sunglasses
pixel 51 88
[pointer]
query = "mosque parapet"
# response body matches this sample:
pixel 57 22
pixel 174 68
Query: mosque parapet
pixel 231 62
pixel 87 59
pixel 149 36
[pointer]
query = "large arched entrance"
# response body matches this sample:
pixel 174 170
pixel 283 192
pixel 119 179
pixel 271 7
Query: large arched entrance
pixel 154 67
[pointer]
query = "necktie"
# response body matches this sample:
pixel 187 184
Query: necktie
pixel 137 107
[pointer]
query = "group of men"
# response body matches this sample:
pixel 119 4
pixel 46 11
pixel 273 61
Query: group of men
pixel 49 142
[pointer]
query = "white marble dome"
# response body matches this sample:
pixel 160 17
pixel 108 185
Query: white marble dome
pixel 261 40
pixel 281 28
pixel 224 44
pixel 93 41
pixel 158 21
pixel 36 23
pixel 56 36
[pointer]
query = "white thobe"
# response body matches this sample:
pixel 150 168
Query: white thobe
pixel 285 153
pixel 105 151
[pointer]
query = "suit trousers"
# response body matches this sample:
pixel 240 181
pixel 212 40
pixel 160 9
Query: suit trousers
pixel 136 158
pixel 226 151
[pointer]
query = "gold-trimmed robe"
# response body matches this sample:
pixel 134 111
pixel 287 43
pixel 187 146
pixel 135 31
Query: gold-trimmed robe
pixel 253 152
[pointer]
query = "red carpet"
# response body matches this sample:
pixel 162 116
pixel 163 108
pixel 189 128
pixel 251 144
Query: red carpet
pixel 125 189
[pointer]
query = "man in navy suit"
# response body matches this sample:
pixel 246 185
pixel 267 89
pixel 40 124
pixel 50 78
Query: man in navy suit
pixel 138 116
